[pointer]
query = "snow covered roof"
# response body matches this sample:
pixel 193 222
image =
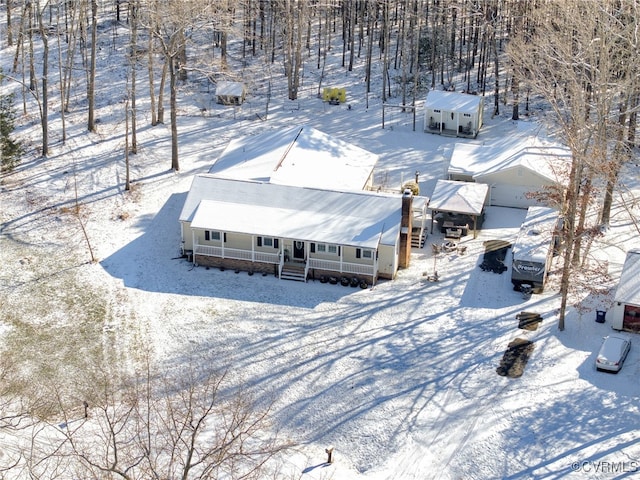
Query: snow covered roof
pixel 477 160
pixel 547 162
pixel 453 101
pixel 345 218
pixel 296 156
pixel 230 89
pixel 628 290
pixel 536 234
pixel 459 197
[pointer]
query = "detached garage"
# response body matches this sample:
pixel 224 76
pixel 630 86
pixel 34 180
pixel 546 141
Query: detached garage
pixel 626 307
pixel 513 174
pixel 515 182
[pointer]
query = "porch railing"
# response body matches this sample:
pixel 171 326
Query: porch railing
pixel 342 267
pixel 237 254
pixel 277 259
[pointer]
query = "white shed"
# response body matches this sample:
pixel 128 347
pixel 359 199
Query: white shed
pixel 625 314
pixel 453 113
pixel 230 93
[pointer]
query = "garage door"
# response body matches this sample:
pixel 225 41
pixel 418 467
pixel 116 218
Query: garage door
pixel 631 320
pixel 511 196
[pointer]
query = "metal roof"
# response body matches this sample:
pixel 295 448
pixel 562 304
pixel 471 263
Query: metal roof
pixel 453 101
pixel 346 218
pixel 297 156
pixel 628 290
pixel 478 160
pixel 459 197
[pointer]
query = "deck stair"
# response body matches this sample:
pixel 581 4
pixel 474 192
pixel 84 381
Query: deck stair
pixel 293 271
pixel 418 237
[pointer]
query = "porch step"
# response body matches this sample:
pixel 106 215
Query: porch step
pixel 293 272
pixel 418 239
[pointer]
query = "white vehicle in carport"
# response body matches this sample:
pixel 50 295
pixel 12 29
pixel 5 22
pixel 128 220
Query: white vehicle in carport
pixel 613 352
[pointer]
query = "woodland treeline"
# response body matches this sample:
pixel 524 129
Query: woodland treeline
pixel 580 58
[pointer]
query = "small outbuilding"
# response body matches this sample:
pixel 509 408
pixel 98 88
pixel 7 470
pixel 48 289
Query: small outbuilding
pixel 453 113
pixel 230 93
pixel 625 314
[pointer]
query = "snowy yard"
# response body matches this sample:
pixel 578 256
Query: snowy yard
pixel 400 378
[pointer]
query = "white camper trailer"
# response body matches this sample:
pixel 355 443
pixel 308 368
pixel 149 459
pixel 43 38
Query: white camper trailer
pixel 534 248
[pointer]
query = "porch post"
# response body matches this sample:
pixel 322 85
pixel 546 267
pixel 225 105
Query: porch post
pixel 253 248
pixel 193 245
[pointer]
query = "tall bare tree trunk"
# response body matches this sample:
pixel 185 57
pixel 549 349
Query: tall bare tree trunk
pixel 133 19
pixel 45 86
pixel 175 164
pixel 91 93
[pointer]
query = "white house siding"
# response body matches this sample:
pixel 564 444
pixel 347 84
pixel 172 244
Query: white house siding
pixel 453 113
pixel 625 313
pixel 387 261
pixel 509 187
pixel 514 196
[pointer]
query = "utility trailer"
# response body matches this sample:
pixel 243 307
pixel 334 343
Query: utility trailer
pixel 534 248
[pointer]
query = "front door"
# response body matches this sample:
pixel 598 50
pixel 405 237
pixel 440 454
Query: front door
pixel 298 250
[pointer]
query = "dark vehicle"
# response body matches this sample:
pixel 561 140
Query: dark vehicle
pixel 495 251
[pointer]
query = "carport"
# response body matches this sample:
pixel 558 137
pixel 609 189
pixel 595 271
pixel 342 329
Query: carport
pixel 463 198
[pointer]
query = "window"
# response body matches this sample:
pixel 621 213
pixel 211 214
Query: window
pixel 364 253
pixel 267 242
pixel 326 248
pixel 436 111
pixel 212 235
pixel 467 115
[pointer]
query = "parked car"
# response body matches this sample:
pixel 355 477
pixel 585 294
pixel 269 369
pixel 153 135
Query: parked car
pixel 613 352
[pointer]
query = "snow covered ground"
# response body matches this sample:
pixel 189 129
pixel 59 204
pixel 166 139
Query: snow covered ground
pixel 400 378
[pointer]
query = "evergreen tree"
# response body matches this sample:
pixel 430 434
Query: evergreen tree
pixel 10 150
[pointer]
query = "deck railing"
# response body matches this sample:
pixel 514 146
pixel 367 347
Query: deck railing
pixel 237 254
pixel 275 258
pixel 342 267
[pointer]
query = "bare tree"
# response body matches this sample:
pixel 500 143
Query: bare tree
pixel 294 19
pixel 570 58
pixel 169 24
pixel 182 425
pixel 91 85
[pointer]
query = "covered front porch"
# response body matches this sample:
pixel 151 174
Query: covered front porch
pixel 283 263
